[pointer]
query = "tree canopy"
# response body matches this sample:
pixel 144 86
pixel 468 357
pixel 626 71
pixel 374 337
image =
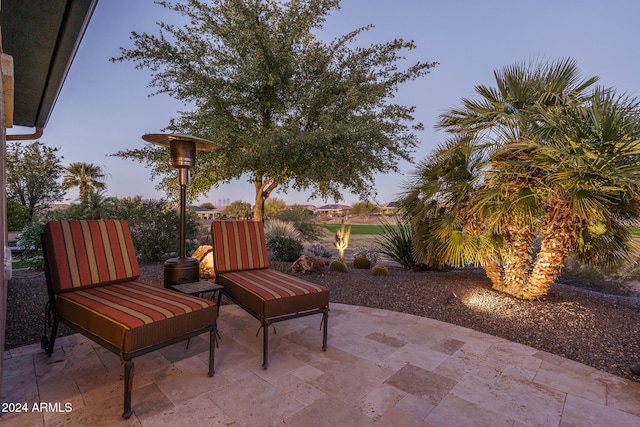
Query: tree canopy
pixel 287 109
pixel 33 174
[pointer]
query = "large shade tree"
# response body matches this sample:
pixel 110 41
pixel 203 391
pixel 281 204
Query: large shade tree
pixel 287 109
pixel 539 159
pixel 33 176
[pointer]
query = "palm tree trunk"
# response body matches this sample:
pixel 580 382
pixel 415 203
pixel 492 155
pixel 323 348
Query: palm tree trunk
pixel 560 234
pixel 495 273
pixel 518 258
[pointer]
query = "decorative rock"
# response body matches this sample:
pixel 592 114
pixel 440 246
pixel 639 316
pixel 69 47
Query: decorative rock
pixel 204 255
pixel 308 264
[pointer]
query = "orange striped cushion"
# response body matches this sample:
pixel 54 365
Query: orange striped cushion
pixel 89 252
pixel 135 315
pixel 238 245
pixel 271 293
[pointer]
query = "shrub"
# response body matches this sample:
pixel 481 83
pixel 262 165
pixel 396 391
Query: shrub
pixel 30 246
pixel 285 248
pixel 379 270
pixel 370 252
pixel 319 251
pixel 361 262
pixel 154 227
pixel 339 266
pixel 275 228
pixel 303 220
pixel 396 243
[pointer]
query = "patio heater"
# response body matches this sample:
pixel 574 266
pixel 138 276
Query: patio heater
pixel 183 157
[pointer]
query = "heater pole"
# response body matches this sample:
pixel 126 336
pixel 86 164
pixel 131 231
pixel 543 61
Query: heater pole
pixel 183 220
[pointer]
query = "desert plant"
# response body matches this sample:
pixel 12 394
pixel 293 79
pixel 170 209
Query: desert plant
pixel 285 248
pixel 396 243
pixel 342 239
pixel 361 262
pixel 338 266
pixel 371 252
pixel 319 251
pixel 379 270
pixel 276 228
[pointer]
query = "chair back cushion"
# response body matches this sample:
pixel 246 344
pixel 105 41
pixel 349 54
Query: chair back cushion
pixel 238 245
pixel 86 253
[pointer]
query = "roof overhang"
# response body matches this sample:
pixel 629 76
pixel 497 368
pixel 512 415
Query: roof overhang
pixel 42 36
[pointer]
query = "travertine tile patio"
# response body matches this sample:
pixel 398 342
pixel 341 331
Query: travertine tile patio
pixel 381 369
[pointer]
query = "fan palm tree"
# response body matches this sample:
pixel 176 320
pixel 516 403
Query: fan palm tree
pixel 86 176
pixel 518 146
pixel 589 185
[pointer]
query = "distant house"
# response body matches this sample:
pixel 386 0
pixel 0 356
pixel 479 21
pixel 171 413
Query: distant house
pixel 389 208
pixel 205 214
pixel 332 210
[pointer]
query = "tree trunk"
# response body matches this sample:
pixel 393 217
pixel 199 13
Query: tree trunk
pixel 559 237
pixel 494 272
pixel 518 258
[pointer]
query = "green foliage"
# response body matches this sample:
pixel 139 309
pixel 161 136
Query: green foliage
pixel 207 205
pixel 379 270
pixel 154 227
pixel 304 222
pixel 274 207
pixel 396 243
pixel 30 246
pixel 86 176
pixel 17 215
pixel 364 209
pixel 285 248
pixel 95 204
pixel 361 262
pixel 33 172
pixel 356 228
pixel 288 109
pixel 539 157
pixel 237 209
pixel 337 265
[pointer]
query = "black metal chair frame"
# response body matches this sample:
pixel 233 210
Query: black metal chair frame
pixel 47 343
pixel 266 322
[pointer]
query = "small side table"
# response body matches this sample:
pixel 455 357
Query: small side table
pixel 199 289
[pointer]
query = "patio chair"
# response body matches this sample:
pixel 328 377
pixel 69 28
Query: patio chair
pixel 241 266
pixel 92 273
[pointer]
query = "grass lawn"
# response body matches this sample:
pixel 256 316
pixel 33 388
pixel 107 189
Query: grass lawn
pixel 356 228
pixel 18 264
pixel 635 231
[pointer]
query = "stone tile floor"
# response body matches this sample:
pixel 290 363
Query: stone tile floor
pixel 381 369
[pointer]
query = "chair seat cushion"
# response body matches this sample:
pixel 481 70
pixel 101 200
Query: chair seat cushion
pixel 271 293
pixel 135 315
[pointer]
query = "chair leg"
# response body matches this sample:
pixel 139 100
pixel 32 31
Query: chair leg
pixel 128 386
pixel 265 345
pixel 325 319
pixel 48 343
pixel 213 336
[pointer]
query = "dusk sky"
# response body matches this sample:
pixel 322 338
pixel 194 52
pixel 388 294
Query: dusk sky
pixel 104 107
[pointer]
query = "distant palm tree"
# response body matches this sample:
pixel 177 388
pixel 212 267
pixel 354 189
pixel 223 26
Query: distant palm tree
pixel 96 204
pixel 85 176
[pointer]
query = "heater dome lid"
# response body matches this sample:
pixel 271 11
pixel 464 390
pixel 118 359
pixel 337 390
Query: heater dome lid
pixel 164 139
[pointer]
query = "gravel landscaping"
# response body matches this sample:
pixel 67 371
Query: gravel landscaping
pixel 594 328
